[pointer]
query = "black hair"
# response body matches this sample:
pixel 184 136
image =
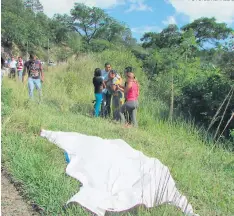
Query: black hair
pixel 107 63
pixel 128 69
pixel 113 72
pixel 32 55
pixel 97 72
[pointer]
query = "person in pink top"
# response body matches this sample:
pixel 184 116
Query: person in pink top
pixel 131 92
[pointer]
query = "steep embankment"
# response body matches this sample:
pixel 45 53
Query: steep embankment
pixel 204 174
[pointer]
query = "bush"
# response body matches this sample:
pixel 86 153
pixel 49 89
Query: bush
pixel 202 98
pixel 6 98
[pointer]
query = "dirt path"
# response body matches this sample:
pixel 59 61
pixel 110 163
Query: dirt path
pixel 11 202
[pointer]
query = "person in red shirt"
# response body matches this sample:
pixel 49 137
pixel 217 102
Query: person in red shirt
pixel 20 67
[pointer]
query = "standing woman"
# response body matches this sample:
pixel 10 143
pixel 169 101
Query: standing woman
pixel 131 92
pixel 20 67
pixel 99 85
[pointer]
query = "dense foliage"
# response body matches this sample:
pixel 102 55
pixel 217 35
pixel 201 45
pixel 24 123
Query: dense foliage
pixel 193 81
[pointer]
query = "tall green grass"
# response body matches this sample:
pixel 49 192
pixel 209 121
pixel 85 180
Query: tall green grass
pixel 205 175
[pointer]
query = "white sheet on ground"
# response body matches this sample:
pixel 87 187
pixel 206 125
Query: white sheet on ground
pixel 115 176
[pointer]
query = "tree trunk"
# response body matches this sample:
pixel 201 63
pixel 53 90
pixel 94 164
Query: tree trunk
pixel 172 98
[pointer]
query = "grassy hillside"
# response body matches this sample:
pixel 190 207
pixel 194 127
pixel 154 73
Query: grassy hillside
pixel 202 173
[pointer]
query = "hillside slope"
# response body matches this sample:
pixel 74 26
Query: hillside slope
pixel 202 173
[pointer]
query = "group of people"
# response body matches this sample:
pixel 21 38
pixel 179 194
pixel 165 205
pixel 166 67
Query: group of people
pixel 32 67
pixel 112 95
pixel 15 67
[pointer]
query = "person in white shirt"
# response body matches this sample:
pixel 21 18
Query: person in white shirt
pixel 106 97
pixel 12 66
pixel 106 71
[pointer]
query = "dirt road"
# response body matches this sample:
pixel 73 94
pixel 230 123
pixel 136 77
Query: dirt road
pixel 11 202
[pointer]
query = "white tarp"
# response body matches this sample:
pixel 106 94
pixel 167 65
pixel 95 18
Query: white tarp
pixel 115 176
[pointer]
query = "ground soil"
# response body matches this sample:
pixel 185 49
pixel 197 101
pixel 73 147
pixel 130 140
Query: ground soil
pixel 12 204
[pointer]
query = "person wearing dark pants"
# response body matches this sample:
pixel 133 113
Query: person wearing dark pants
pixel 106 104
pixel 12 66
pixel 131 92
pixel 112 86
pixel 126 114
pixel 108 97
pixel 105 97
pixel 2 66
pixel 129 107
pixel 98 87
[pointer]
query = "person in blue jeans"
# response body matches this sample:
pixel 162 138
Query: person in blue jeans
pixel 35 75
pixel 99 84
pixel 20 67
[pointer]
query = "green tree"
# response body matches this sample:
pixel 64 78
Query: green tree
pixel 88 21
pixel 75 43
pixel 13 26
pixel 60 27
pixel 188 44
pixel 208 30
pixel 151 40
pixel 169 37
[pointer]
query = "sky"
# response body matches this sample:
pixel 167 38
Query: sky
pixel 151 15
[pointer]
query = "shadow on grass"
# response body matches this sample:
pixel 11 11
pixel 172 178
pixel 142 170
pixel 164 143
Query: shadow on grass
pixel 82 108
pixel 138 210
pixel 53 103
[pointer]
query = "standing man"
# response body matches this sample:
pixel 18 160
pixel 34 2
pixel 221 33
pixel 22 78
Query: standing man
pixel 106 97
pixel 20 67
pixel 12 66
pixel 106 70
pixel 2 66
pixel 35 75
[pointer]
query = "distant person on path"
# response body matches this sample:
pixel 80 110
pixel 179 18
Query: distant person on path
pixel 131 92
pixel 99 85
pixel 2 67
pixel 35 75
pixel 20 67
pixel 12 66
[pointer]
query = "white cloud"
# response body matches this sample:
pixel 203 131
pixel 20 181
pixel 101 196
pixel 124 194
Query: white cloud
pixel 223 11
pixel 64 6
pixel 138 5
pixel 169 20
pixel 144 29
